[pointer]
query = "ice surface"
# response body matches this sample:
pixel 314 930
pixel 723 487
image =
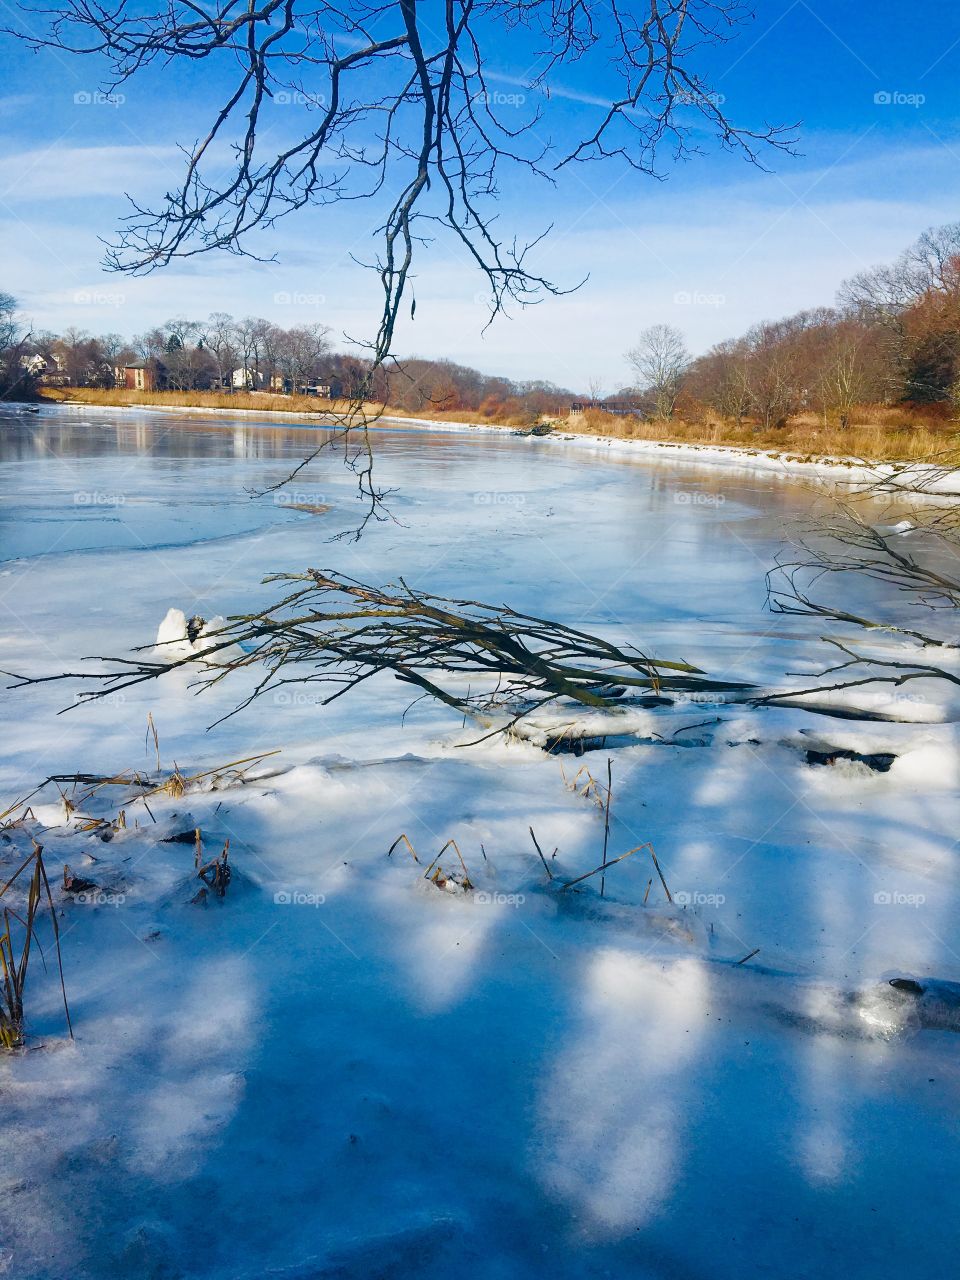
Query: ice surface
pixel 339 1071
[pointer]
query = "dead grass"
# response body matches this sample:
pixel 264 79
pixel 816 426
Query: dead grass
pixel 503 417
pixel 238 401
pixel 15 950
pixel 886 434
pixel 438 877
pixel 264 402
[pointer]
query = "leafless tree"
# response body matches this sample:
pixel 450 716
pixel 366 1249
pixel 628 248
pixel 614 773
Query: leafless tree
pixel 398 104
pixel 298 353
pixel 774 372
pixel 914 304
pixel 8 320
pixel 721 379
pixel 113 345
pixel 595 390
pixel 151 344
pixel 15 337
pixel 847 371
pixel 183 331
pixel 249 335
pixel 659 360
pixel 76 348
pixel 220 338
pixel 189 367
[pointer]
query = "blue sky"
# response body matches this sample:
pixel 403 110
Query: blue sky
pixel 715 247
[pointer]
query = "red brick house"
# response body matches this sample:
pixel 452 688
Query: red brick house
pixel 141 376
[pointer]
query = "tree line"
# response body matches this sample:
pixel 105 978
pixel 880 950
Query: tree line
pixel 893 337
pixel 254 354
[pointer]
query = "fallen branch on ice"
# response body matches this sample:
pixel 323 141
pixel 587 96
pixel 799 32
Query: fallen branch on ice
pixel 330 630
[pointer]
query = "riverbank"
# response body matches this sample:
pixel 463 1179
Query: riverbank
pixel 868 466
pixel 890 434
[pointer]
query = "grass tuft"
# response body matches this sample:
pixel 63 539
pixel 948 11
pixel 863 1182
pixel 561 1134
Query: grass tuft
pixel 15 952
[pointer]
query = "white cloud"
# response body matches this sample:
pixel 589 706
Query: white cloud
pixel 711 260
pixel 12 104
pixel 62 172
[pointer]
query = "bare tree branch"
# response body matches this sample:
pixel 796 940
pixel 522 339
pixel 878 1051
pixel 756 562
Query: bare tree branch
pixel 395 96
pixel 486 661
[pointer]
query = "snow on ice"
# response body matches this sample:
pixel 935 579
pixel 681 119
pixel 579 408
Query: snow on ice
pixel 337 1070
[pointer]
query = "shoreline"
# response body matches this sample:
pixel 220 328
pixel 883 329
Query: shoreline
pixel 770 461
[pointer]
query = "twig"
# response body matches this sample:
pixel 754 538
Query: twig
pixel 536 844
pixel 413 852
pixel 606 823
pixel 660 874
pixel 152 728
pixel 612 863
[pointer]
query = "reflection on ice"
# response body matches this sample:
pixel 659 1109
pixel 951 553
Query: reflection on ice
pixel 824 1149
pixel 439 955
pixel 613 1105
pixel 904 1004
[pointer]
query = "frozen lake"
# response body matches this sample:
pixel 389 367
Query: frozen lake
pixel 392 1082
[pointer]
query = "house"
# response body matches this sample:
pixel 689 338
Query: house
pixel 247 379
pixel 51 368
pixel 35 366
pixel 141 376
